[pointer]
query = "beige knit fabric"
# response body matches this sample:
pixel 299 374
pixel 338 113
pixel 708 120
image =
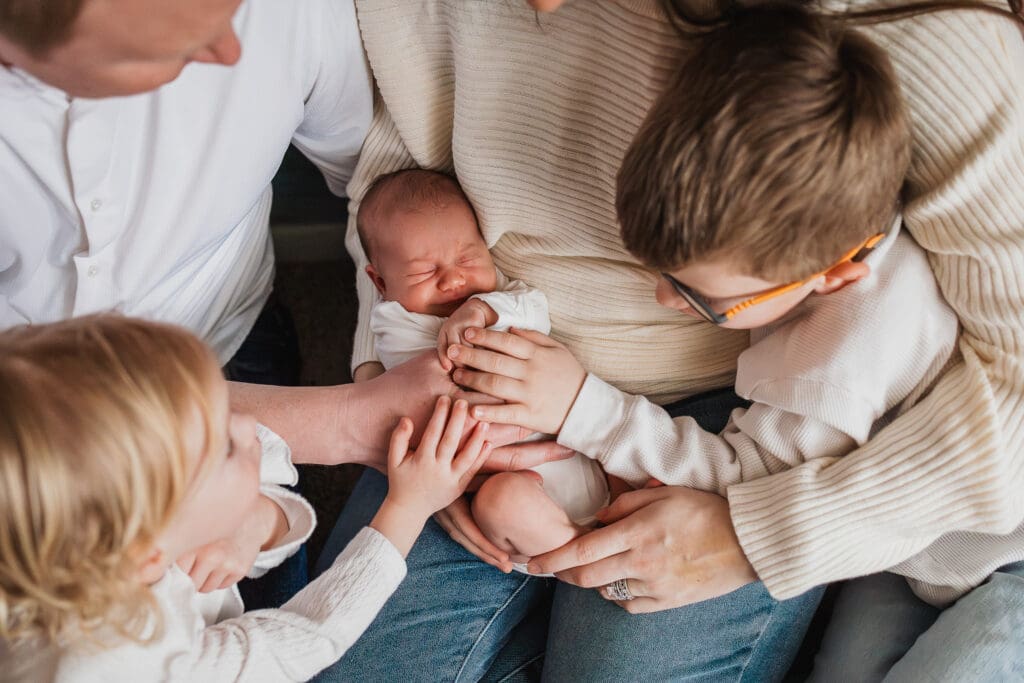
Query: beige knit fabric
pixel 534 112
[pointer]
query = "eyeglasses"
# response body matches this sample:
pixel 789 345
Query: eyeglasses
pixel 700 304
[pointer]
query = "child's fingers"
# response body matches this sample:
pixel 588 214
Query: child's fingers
pixel 538 338
pixel 453 431
pixel 470 451
pixel 399 445
pixel 505 413
pixel 481 458
pixel 186 562
pixel 213 581
pixel 435 427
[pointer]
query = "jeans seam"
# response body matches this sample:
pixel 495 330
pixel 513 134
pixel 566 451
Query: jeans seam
pixel 504 605
pixel 757 641
pixel 519 668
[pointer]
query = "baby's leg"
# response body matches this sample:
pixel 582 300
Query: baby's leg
pixel 515 513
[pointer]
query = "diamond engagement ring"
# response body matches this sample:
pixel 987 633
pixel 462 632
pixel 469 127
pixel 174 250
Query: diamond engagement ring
pixel 618 590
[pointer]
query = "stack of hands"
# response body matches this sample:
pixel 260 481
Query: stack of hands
pixel 674 545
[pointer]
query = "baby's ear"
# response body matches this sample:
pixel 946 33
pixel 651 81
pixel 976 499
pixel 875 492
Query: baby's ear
pixel 842 275
pixel 378 281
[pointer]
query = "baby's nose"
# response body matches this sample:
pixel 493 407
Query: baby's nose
pixel 452 278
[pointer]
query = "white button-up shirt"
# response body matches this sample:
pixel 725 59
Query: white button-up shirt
pixel 158 204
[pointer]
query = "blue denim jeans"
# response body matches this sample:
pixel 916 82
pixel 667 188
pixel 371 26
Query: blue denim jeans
pixel 452 616
pixel 880 631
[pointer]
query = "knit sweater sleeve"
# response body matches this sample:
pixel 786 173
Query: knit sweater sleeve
pixel 310 631
pixel 955 462
pixel 635 439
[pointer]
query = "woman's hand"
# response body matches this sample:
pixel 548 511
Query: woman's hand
pixel 673 545
pixel 537 377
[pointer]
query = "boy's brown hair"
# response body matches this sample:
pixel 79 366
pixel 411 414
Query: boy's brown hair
pixel 409 189
pixel 38 25
pixel 781 144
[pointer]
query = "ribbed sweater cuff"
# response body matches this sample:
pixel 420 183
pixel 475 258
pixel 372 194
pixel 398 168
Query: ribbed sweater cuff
pixel 832 519
pixel 362 344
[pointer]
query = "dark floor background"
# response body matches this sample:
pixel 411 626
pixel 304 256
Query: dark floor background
pixel 316 281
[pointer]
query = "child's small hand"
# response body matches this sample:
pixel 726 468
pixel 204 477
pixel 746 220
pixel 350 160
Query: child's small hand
pixel 423 481
pixel 537 377
pixel 473 313
pixel 223 563
pixel 438 471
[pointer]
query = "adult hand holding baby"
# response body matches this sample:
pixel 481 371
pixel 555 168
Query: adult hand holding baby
pixel 674 546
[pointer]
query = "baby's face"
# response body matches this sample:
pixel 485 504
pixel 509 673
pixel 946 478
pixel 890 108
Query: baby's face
pixel 432 260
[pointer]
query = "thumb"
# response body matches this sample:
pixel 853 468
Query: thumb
pixel 399 445
pixel 628 503
pixel 534 336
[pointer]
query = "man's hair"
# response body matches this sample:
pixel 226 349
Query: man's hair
pixel 38 25
pixel 780 144
pixel 410 189
pixel 94 416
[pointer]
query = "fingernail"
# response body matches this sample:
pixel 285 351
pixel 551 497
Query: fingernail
pixel 533 568
pixel 457 375
pixel 453 351
pixel 470 333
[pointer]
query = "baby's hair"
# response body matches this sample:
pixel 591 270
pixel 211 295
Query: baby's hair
pixel 409 189
pixel 780 144
pixel 94 413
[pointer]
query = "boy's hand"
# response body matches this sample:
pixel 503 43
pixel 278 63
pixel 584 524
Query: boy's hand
pixel 473 313
pixel 537 377
pixel 223 563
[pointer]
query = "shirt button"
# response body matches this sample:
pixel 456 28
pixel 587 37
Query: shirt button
pixel 96 204
pixel 93 271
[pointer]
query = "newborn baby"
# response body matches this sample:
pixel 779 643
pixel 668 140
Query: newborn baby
pixel 435 275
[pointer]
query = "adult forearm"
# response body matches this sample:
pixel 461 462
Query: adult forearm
pixel 348 423
pixel 322 425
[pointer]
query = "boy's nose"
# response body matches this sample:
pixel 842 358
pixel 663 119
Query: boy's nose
pixel 666 295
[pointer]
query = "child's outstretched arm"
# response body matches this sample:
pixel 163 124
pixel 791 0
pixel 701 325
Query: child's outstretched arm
pixel 317 626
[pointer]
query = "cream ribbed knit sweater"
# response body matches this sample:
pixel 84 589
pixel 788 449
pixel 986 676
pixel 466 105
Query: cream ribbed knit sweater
pixel 534 114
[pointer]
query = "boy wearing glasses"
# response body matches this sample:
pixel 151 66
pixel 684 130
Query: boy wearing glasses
pixel 763 187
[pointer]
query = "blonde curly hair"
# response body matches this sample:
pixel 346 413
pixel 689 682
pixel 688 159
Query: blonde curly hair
pixel 94 413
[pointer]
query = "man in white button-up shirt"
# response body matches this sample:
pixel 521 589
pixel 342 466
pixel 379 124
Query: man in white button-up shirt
pixel 157 204
pixel 135 175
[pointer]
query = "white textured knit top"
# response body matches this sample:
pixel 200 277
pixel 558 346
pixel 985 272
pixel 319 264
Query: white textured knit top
pixel 822 380
pixel 534 113
pixel 208 636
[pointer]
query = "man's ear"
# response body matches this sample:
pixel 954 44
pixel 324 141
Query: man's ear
pixel 152 566
pixel 378 281
pixel 842 275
